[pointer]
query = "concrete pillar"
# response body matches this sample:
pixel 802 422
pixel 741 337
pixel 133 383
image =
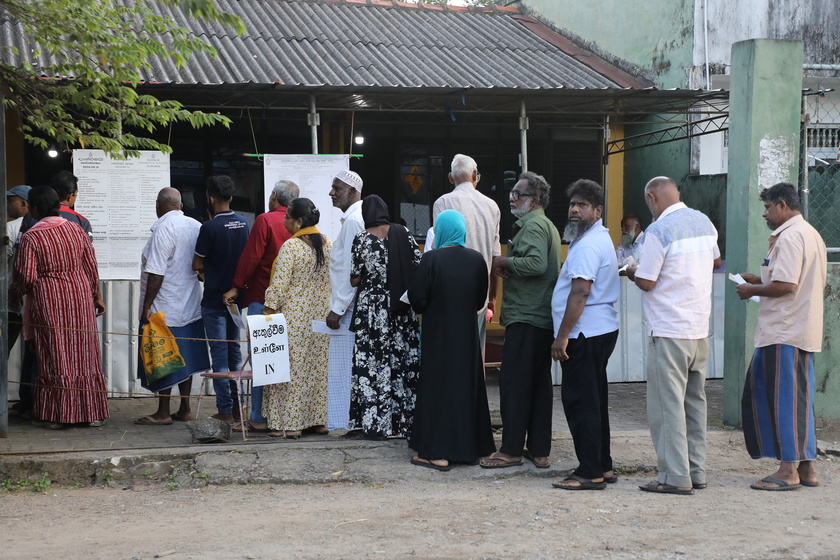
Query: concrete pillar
pixel 764 117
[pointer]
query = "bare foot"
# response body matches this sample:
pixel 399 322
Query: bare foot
pixel 182 416
pixel 226 418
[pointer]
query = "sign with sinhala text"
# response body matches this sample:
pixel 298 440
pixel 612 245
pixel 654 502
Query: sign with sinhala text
pixel 269 337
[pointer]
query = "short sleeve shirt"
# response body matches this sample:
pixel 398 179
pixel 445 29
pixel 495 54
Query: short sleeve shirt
pixel 591 257
pixel 678 253
pixel 169 253
pixel 797 255
pixel 220 243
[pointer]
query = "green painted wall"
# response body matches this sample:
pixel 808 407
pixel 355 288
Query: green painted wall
pixel 631 31
pixel 764 116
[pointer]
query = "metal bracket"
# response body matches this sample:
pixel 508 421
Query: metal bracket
pixel 682 131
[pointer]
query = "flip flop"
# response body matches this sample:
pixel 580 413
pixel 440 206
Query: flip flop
pixel 283 434
pixel 611 479
pixel 585 483
pixel 177 416
pixel 809 484
pixel 238 428
pixel 149 421
pixel 540 465
pixel 496 462
pixel 429 465
pixel 311 431
pixel 781 485
pixel 659 488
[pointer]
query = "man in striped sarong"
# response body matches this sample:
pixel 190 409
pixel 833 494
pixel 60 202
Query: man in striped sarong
pixel 777 407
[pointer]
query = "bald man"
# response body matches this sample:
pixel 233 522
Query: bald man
pixel 680 252
pixel 169 284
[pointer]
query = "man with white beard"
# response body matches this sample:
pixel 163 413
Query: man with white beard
pixel 586 324
pixel 530 271
pixel 632 236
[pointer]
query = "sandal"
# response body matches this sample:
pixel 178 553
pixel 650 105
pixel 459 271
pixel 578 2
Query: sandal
pixel 539 462
pixel 250 427
pixel 583 483
pixel 284 434
pixel 494 461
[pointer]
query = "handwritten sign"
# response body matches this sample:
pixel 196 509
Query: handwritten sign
pixel 269 337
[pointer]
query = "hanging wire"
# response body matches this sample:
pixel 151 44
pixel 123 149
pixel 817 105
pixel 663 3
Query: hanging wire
pixel 253 135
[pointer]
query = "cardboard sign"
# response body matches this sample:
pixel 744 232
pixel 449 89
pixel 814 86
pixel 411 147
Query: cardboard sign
pixel 269 337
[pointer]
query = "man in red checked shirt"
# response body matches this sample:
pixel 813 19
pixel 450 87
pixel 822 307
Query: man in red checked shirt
pixel 253 272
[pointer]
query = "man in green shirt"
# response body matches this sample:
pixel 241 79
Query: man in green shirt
pixel 530 272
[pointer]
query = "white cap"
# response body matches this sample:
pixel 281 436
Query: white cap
pixel 350 178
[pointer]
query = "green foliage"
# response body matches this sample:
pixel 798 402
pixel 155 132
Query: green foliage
pixel 87 97
pixel 40 485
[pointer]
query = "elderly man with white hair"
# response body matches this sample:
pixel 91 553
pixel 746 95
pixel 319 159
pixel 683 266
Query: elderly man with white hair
pixel 346 195
pixel 482 215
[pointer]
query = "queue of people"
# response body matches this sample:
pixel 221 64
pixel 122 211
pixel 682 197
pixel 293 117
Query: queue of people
pixel 380 375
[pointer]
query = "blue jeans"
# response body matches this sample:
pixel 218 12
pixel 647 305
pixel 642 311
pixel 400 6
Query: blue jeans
pixel 256 392
pixel 224 356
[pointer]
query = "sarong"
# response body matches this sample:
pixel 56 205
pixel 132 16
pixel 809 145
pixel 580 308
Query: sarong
pixel 340 371
pixel 194 352
pixel 777 408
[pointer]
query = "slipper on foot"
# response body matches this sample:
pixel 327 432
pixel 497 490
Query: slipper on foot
pixel 809 484
pixel 251 428
pixel 781 485
pixel 183 417
pixel 699 485
pixel 583 483
pixel 151 421
pixel 312 431
pixel 611 479
pixel 284 434
pixel 539 462
pixel 659 488
pixel 494 461
pixel 429 465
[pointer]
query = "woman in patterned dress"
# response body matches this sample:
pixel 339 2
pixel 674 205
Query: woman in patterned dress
pixel 56 267
pixel 300 289
pixel 386 354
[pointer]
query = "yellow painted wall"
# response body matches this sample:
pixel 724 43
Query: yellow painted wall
pixel 615 188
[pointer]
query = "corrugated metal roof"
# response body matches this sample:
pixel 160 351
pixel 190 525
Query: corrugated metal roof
pixel 364 43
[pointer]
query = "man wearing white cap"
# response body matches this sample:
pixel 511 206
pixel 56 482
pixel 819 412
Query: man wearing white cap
pixel 346 195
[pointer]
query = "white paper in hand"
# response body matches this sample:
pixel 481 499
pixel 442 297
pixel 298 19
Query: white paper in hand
pixel 738 279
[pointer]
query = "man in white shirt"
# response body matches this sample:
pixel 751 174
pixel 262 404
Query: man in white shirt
pixel 169 284
pixel 680 252
pixel 346 195
pixel 482 216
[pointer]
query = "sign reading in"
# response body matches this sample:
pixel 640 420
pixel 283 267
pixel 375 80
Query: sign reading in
pixel 269 337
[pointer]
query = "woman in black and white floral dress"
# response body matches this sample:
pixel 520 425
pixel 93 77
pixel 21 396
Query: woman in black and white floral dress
pixel 386 355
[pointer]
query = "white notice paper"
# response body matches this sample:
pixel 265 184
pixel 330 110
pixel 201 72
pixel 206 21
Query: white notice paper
pixel 236 314
pixel 269 337
pixel 738 279
pixel 118 198
pixel 314 175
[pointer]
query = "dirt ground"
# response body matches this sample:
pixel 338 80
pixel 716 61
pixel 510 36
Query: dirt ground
pixel 501 517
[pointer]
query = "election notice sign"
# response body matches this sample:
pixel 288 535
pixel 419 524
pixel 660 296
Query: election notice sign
pixel 269 337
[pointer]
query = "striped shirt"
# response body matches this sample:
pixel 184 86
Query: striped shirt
pixel 678 254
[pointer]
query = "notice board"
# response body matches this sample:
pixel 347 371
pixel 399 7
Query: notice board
pixel 118 198
pixel 314 175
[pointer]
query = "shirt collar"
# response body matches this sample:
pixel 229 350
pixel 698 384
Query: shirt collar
pixel 791 221
pixel 225 213
pixel 465 185
pixel 520 223
pixel 671 209
pixel 165 217
pixel 597 226
pixel 355 207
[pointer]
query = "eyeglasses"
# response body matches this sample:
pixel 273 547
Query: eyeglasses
pixel 516 195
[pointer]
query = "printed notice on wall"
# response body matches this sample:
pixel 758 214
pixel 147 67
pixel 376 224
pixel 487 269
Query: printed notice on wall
pixel 269 337
pixel 118 198
pixel 314 175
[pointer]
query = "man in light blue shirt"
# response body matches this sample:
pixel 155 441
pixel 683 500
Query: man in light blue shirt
pixel 586 323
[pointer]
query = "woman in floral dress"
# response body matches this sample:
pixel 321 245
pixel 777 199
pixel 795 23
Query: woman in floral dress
pixel 386 355
pixel 300 289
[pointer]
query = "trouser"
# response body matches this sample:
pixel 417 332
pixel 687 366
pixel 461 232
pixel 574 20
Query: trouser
pixel 29 365
pixel 224 356
pixel 676 401
pixel 585 401
pixel 256 392
pixel 525 390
